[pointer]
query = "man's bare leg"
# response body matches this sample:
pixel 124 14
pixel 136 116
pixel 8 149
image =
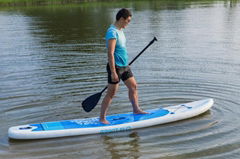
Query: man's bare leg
pixel 107 100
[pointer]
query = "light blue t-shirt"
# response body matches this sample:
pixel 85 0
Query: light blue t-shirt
pixel 120 54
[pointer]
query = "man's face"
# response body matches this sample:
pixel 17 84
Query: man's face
pixel 125 22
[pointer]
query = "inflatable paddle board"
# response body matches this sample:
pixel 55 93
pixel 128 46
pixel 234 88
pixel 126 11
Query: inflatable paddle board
pixel 118 122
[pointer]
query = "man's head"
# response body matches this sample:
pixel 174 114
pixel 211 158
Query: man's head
pixel 124 17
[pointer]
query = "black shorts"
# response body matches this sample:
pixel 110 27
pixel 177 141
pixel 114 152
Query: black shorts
pixel 124 73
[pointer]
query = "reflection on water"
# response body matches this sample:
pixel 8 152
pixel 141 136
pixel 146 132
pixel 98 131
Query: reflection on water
pixel 53 57
pixel 124 147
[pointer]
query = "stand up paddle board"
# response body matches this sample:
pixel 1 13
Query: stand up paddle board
pixel 118 122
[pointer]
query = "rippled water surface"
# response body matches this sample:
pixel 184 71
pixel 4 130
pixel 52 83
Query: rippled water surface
pixel 53 57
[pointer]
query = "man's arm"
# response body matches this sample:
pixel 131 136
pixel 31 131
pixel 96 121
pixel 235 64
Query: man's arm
pixel 111 60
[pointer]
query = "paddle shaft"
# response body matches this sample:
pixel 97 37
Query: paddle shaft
pixel 135 58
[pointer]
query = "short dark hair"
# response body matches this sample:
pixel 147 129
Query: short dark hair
pixel 125 13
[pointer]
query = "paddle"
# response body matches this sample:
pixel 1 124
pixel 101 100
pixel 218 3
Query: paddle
pixel 90 102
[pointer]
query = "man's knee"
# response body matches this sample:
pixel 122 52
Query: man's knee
pixel 112 91
pixel 133 88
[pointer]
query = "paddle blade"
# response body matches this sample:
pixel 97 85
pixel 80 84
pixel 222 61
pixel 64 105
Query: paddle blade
pixel 89 103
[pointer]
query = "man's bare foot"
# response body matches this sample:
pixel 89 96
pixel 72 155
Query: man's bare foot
pixel 140 112
pixel 104 121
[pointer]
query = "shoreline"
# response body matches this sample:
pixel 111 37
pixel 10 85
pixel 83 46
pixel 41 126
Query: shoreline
pixel 25 3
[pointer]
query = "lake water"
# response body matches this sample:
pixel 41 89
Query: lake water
pixel 53 57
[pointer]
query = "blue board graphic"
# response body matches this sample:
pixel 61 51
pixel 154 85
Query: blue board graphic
pixel 94 122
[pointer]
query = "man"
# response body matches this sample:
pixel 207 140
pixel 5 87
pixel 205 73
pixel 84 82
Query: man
pixel 117 66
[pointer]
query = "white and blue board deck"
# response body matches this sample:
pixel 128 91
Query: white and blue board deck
pixel 118 122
